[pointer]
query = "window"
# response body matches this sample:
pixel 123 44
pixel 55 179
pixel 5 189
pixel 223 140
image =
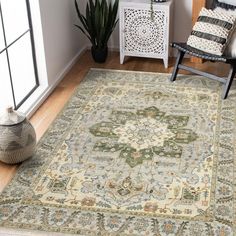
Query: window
pixel 18 71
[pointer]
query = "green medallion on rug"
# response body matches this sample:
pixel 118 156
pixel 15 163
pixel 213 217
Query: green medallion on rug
pixel 132 154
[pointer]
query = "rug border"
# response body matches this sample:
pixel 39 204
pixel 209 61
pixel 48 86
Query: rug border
pixel 52 124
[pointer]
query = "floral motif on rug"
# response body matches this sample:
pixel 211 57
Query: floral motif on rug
pixel 131 154
pixel 142 134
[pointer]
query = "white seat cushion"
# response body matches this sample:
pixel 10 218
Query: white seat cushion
pixel 230 2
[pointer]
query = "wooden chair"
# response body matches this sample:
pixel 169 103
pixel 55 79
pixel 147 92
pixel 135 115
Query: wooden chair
pixel 183 49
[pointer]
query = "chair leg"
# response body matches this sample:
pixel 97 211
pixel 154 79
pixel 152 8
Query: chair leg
pixel 179 59
pixel 229 81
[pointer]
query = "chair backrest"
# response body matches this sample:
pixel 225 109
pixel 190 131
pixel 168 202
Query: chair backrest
pixel 216 3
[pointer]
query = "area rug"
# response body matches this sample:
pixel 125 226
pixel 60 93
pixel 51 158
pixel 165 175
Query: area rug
pixel 132 154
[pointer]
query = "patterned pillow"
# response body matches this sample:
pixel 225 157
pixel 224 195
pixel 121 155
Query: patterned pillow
pixel 212 31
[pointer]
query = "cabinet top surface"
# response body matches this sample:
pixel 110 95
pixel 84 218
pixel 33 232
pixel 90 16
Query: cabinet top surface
pixel 155 4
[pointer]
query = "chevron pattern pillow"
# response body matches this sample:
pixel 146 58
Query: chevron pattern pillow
pixel 212 31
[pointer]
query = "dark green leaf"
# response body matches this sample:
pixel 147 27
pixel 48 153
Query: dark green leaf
pixel 99 21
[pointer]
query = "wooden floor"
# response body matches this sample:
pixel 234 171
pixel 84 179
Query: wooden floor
pixel 48 111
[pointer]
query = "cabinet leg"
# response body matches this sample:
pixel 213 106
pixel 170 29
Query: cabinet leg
pixel 165 60
pixel 122 58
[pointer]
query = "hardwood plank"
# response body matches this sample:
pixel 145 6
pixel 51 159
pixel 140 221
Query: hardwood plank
pixel 6 174
pixel 48 111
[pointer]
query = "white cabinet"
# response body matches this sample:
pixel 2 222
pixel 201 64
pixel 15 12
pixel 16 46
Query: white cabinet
pixel 144 34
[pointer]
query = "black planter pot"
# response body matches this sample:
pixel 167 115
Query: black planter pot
pixel 99 55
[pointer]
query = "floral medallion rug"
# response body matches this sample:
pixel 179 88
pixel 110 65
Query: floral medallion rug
pixel 132 154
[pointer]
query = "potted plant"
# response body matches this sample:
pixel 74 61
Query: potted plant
pixel 98 24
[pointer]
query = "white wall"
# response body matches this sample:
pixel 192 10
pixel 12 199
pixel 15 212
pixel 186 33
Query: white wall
pixel 62 40
pixel 58 45
pixel 182 20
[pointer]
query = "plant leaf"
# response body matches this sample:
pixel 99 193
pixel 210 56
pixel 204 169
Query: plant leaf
pixel 99 21
pixel 84 32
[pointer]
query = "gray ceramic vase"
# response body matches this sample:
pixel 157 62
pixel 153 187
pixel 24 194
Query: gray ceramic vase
pixel 17 137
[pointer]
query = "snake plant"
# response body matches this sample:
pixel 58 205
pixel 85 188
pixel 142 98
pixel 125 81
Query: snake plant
pixel 98 22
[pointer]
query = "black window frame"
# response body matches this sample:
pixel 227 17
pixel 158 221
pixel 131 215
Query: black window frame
pixel 5 49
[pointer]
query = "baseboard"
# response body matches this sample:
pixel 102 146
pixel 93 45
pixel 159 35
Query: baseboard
pixel 43 96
